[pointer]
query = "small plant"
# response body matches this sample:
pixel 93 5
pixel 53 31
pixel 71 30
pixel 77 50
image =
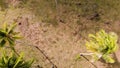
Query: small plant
pixel 13 61
pixel 8 37
pixel 101 45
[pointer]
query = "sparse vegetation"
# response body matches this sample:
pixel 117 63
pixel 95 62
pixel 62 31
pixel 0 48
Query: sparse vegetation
pixel 55 31
pixel 8 37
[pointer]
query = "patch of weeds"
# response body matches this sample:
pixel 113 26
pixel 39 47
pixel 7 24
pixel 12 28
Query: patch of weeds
pixel 77 57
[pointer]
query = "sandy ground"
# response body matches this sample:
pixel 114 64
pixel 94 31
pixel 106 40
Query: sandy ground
pixel 61 43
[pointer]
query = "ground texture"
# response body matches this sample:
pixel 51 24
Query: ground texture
pixel 61 41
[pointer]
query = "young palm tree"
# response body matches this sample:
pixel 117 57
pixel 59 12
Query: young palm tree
pixel 102 44
pixel 8 36
pixel 13 61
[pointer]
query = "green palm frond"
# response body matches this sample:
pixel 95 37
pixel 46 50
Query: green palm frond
pixel 102 44
pixel 8 35
pixel 13 61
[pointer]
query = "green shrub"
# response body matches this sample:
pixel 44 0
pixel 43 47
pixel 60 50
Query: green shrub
pixel 13 61
pixel 102 44
pixel 8 35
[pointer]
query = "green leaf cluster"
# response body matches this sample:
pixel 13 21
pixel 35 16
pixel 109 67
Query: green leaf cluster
pixel 13 61
pixel 102 44
pixel 8 35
